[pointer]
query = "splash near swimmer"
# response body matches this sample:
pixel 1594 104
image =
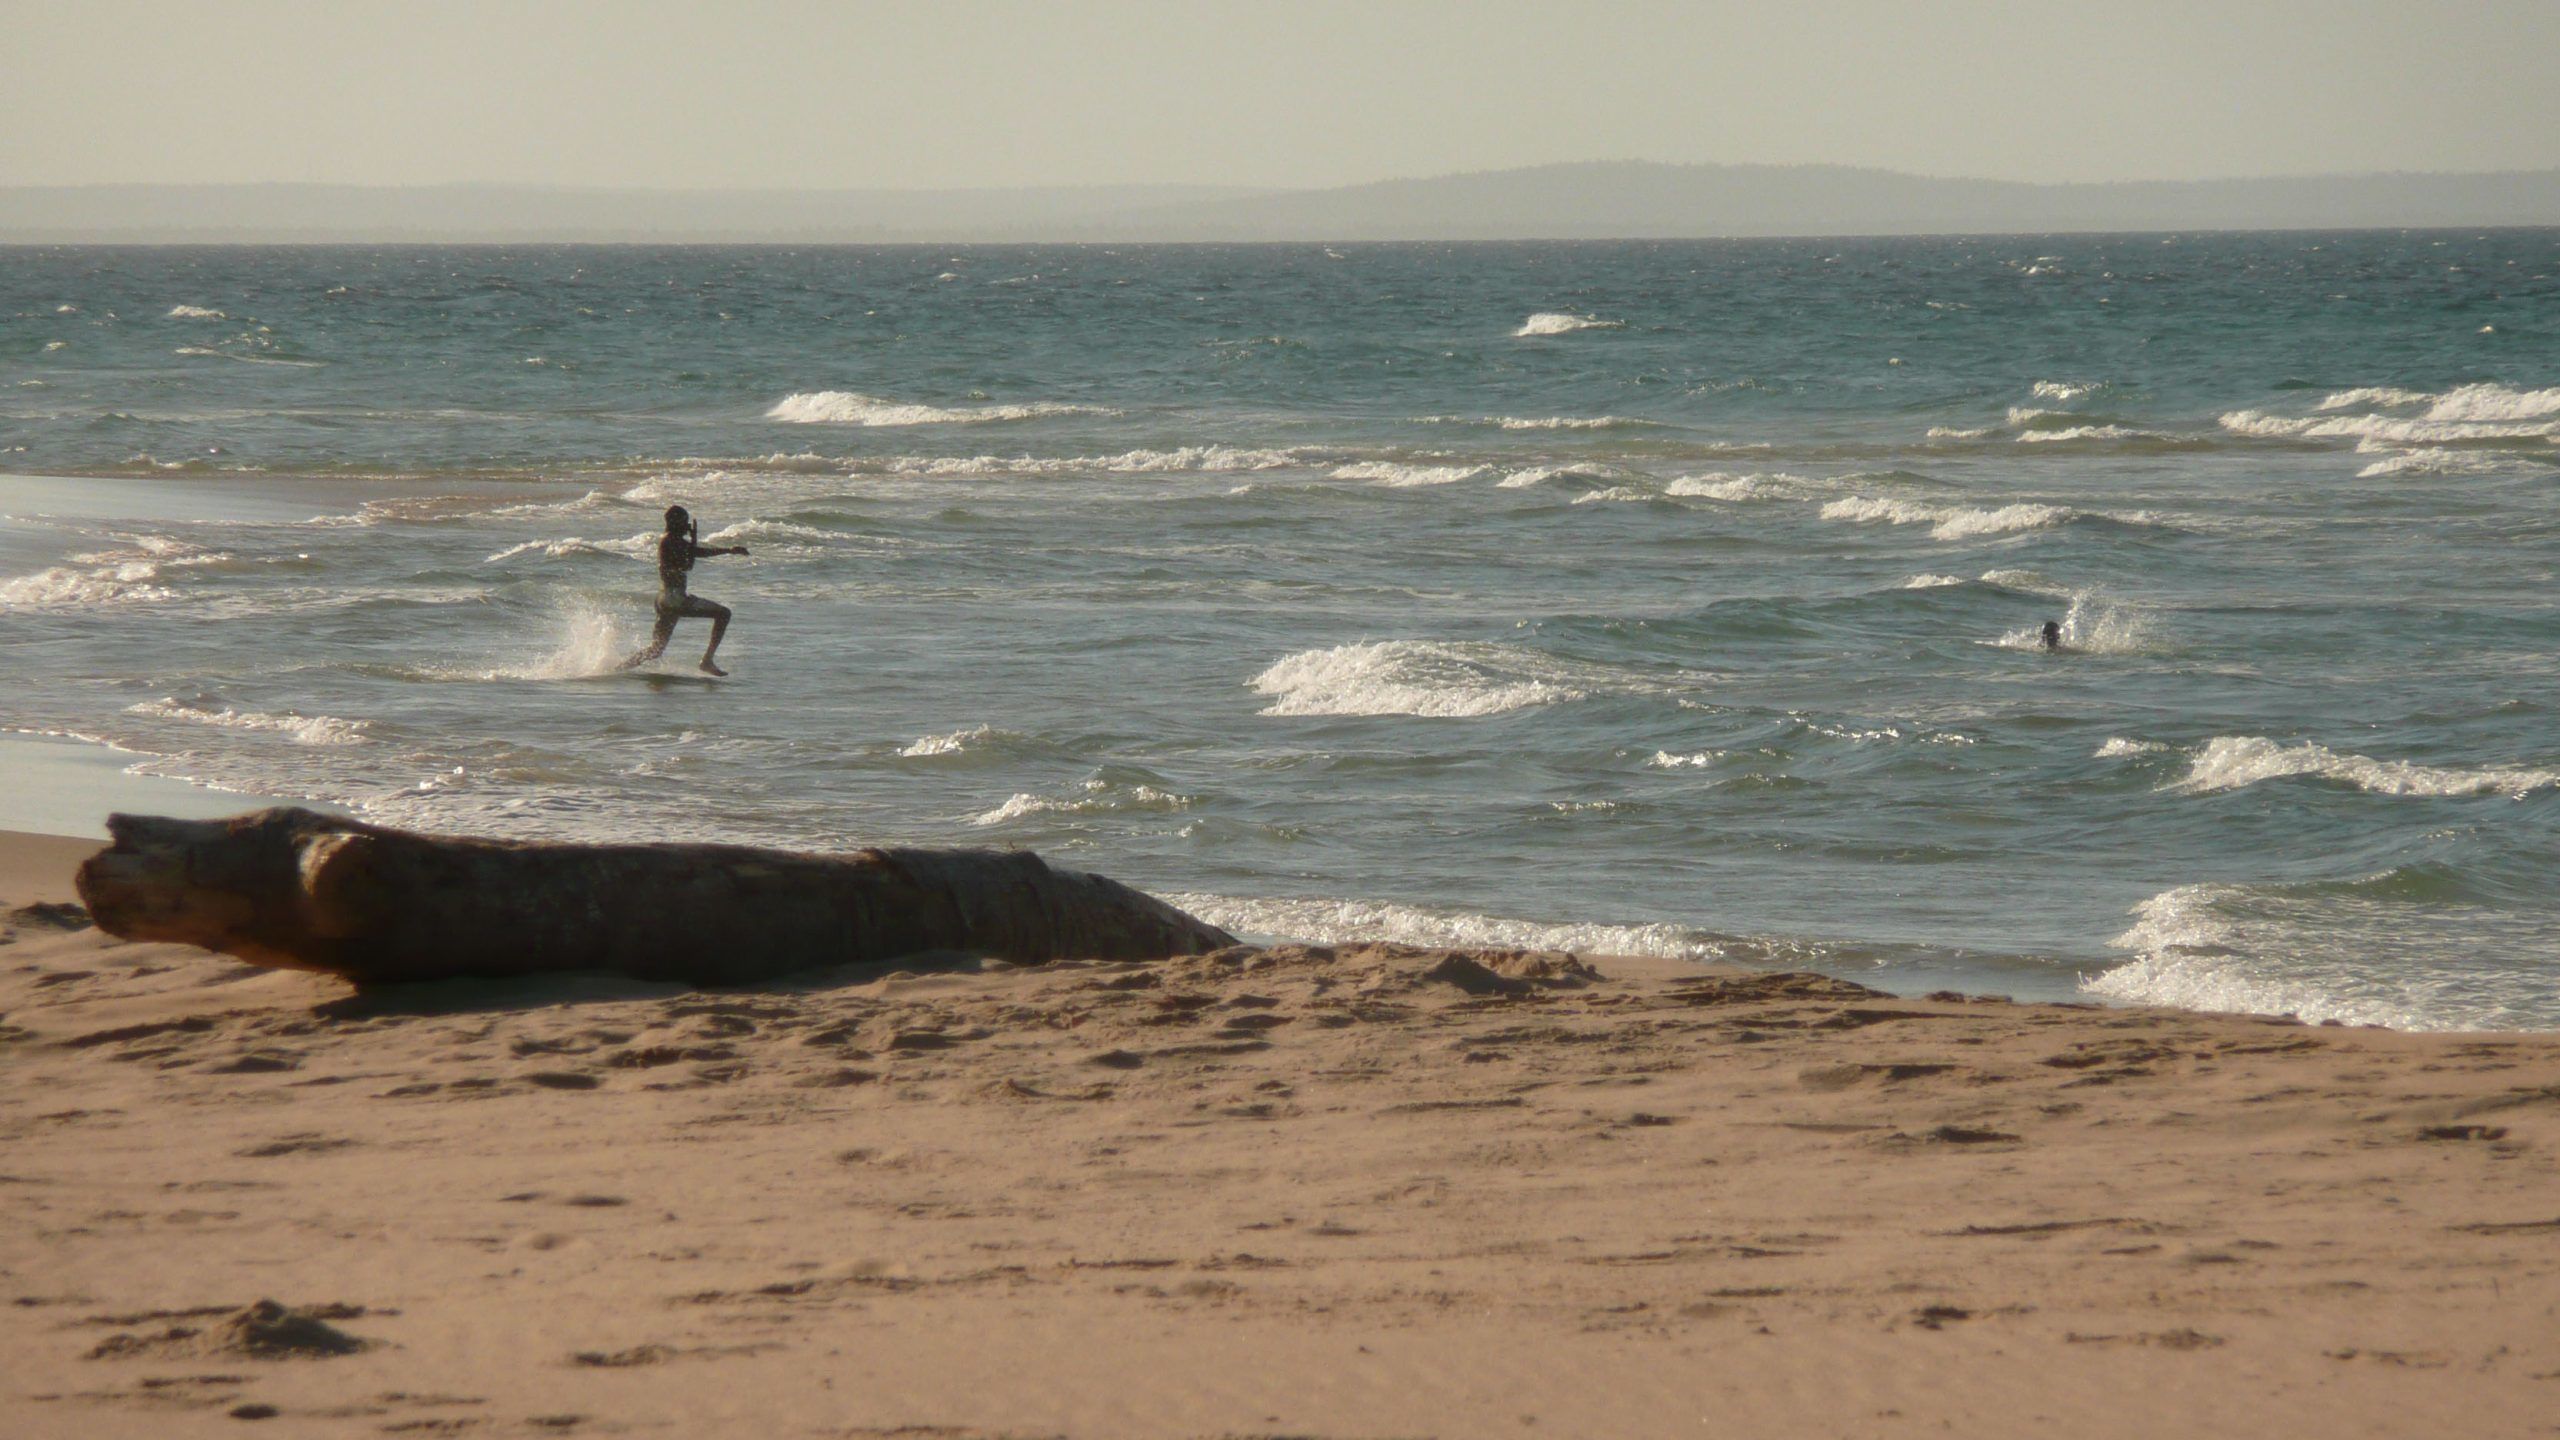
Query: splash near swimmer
pixel 678 549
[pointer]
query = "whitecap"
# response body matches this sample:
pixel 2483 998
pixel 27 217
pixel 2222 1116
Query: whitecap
pixel 1947 522
pixel 1202 458
pixel 771 530
pixel 2494 402
pixel 67 586
pixel 957 742
pixel 195 312
pixel 1616 493
pixel 1567 422
pixel 2034 582
pixel 1389 472
pixel 2097 432
pixel 1095 797
pixel 2118 747
pixel 1722 485
pixel 301 729
pixel 2441 462
pixel 2466 413
pixel 1338 922
pixel 1413 677
pixel 845 407
pixel 632 547
pixel 2230 762
pixel 1932 582
pixel 1695 760
pixel 2384 397
pixel 1557 322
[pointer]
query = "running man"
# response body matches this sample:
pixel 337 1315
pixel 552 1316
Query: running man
pixel 677 550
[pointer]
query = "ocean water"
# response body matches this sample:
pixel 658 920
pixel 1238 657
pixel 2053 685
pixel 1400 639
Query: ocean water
pixel 1675 598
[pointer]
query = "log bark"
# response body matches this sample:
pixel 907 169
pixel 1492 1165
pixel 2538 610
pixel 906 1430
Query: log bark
pixel 294 889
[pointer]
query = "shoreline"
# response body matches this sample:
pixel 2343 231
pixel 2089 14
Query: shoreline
pixel 1338 1192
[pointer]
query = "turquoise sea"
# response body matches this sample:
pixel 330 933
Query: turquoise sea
pixel 1667 597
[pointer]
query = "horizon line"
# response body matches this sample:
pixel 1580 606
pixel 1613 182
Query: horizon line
pixel 1265 187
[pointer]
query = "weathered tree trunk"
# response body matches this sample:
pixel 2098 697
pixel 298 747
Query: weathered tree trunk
pixel 299 890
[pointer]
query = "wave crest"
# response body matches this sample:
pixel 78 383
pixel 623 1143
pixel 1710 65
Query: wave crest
pixel 1391 473
pixel 2231 762
pixel 1430 678
pixel 301 729
pixel 846 407
pixel 1947 522
pixel 1558 322
pixel 1334 922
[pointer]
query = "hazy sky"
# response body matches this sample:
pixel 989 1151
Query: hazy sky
pixel 935 93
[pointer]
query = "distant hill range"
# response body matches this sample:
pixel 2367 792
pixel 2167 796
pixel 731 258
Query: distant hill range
pixel 1604 200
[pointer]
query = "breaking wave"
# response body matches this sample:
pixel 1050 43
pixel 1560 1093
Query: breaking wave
pixel 845 407
pixel 1099 795
pixel 1431 678
pixel 2466 414
pixel 1389 472
pixel 1336 922
pixel 301 729
pixel 1557 322
pixel 1720 485
pixel 1947 522
pixel 630 547
pixel 128 575
pixel 2230 762
pixel 957 742
pixel 1568 422
pixel 1208 458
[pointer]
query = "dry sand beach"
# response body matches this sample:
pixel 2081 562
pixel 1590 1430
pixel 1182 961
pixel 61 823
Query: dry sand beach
pixel 1340 1193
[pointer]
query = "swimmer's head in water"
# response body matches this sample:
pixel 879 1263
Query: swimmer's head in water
pixel 2053 634
pixel 677 519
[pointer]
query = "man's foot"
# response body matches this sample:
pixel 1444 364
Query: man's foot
pixel 710 669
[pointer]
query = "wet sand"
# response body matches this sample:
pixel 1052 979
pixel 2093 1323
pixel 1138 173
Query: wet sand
pixel 1347 1193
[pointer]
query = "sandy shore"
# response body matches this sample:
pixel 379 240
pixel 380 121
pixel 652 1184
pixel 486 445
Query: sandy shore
pixel 1357 1193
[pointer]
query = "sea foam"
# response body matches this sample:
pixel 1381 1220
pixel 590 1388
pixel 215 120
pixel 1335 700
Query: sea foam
pixel 2193 952
pixel 1336 922
pixel 301 729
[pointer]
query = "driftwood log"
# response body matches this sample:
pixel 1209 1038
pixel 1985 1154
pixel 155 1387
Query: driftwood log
pixel 294 889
